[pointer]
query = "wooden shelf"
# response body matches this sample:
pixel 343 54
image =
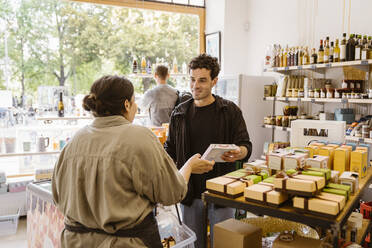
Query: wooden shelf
pixel 318 100
pixel 287 129
pixel 319 66
pixel 3 155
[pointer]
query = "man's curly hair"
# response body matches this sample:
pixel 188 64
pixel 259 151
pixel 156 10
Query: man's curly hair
pixel 205 61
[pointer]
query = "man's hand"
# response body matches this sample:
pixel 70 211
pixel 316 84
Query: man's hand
pixel 233 155
pixel 198 165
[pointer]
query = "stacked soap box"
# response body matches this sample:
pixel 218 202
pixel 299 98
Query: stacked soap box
pixel 3 185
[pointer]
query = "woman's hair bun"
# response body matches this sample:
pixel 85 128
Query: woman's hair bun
pixel 90 103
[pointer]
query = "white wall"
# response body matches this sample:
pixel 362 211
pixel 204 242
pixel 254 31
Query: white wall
pixel 291 22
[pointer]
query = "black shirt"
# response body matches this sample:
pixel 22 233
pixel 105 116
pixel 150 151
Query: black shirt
pixel 202 132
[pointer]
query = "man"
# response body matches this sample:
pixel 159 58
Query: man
pixel 160 100
pixel 195 124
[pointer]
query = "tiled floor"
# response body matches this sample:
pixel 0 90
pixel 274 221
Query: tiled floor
pixel 17 240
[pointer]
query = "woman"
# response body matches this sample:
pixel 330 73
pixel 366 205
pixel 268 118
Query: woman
pixel 109 177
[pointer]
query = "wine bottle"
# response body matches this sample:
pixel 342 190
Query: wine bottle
pixel 61 108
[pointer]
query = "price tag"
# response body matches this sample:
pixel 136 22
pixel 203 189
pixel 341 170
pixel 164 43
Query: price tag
pixel 312 100
pixel 286 99
pixel 344 101
pixel 298 100
pixel 286 68
pixel 328 65
pixel 361 140
pixel 313 66
pixel 299 67
pixel 364 62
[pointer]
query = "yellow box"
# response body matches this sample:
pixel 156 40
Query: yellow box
pixel 313 150
pixel 358 162
pixel 341 161
pixel 328 151
pixel 333 146
pixel 350 148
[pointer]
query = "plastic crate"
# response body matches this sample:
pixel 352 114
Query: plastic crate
pixel 188 236
pixel 8 221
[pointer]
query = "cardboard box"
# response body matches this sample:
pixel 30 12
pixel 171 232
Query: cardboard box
pixel 317 205
pixel 275 160
pixel 257 163
pixel 298 242
pixel 229 187
pixel 237 234
pixel 341 160
pixel 294 161
pixel 300 184
pixel 313 150
pixel 317 162
pixel 351 179
pixel 338 189
pixel 358 162
pixel 335 176
pixel 349 147
pixel 329 152
pixel 264 193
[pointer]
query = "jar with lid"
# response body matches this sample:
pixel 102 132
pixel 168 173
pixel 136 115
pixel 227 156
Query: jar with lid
pixel 370 93
pixel 316 93
pixel 285 121
pixel 344 95
pixel 344 84
pixel 356 95
pixel 352 85
pixel 279 120
pixel 301 93
pixel 322 93
pixel 272 120
pixel 289 93
pixel 294 92
pixel 311 93
pixel 337 94
pixel 348 95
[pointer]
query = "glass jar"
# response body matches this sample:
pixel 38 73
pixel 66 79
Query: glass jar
pixel 279 120
pixel 294 92
pixel 337 94
pixel 289 93
pixel 301 93
pixel 329 93
pixel 311 93
pixel 316 93
pixel 322 93
pixel 285 121
pixel 272 120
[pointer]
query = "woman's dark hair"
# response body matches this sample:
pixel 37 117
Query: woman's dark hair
pixel 107 96
pixel 205 61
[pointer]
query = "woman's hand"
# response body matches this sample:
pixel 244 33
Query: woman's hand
pixel 198 165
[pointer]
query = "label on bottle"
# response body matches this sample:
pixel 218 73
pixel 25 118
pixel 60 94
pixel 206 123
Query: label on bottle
pixel 343 52
pixel 322 94
pixel 326 58
pixel 364 54
pixel 357 53
pixel 320 57
pixel 312 60
pixel 335 56
pixel 337 95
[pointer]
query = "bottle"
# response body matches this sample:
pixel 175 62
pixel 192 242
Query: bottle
pixel 350 48
pixel 369 56
pixel 135 66
pixel 307 57
pixel 331 51
pixel 281 58
pixel 285 57
pixel 343 48
pixel 148 67
pixel 296 56
pixel 301 57
pixel 326 51
pixel 365 52
pixel 143 65
pixel 175 65
pixel 61 108
pixel 336 52
pixel 358 48
pixel 364 40
pixel 344 84
pixel 184 68
pixel 321 53
pixel 314 57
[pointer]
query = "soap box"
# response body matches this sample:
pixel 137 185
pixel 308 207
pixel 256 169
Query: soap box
pixel 215 151
pixel 341 160
pixel 358 162
pixel 264 193
pixel 317 161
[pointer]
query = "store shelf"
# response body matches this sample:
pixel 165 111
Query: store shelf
pixel 319 66
pixel 288 129
pixel 363 232
pixel 3 155
pixel 318 100
pixel 358 139
pixel 140 75
pixel 67 118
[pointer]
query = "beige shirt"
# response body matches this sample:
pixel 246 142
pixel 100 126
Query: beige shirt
pixel 109 176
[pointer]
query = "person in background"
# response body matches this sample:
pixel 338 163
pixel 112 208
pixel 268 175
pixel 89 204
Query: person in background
pixel 160 101
pixel 195 124
pixel 109 177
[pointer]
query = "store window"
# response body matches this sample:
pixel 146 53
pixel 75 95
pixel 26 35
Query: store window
pixel 50 48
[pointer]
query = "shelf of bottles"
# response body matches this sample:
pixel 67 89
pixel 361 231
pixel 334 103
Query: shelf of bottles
pixel 287 129
pixel 147 70
pixel 140 75
pixel 318 100
pixel 357 50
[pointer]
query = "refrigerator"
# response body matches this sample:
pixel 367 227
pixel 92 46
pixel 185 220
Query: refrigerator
pixel 247 92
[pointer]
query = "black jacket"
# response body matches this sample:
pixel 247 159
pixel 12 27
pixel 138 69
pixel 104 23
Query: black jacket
pixel 233 131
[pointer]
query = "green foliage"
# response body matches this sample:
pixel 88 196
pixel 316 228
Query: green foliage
pixel 52 42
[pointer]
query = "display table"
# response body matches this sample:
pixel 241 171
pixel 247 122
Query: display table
pixel 44 221
pixel 289 213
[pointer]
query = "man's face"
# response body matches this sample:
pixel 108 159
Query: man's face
pixel 201 83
